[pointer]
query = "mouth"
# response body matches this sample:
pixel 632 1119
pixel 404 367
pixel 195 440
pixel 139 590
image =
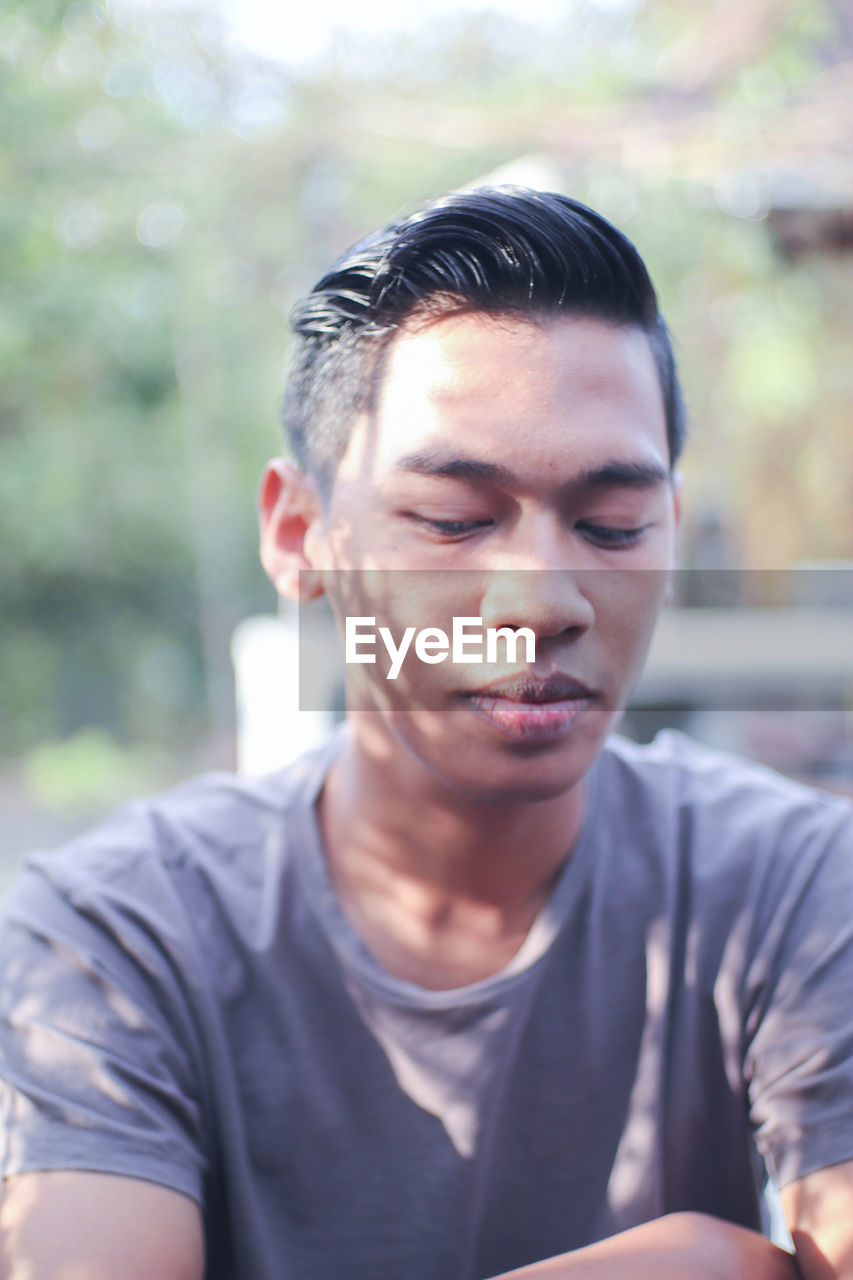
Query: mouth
pixel 535 689
pixel 528 708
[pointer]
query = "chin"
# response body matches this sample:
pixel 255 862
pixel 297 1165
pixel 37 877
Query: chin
pixel 511 793
pixel 519 785
pixel 486 770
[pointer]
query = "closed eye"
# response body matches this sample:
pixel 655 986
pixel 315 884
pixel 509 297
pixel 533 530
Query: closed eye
pixel 452 528
pixel 608 537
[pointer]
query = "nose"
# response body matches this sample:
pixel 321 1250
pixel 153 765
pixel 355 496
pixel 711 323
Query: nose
pixel 534 585
pixel 548 601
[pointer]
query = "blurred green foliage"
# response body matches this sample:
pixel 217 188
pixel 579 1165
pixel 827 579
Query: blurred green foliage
pixel 167 198
pixel 90 771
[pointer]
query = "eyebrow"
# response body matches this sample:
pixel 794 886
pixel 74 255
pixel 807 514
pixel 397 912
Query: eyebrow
pixel 623 475
pixel 616 474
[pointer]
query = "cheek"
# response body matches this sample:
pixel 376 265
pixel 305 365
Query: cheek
pixel 398 601
pixel 627 604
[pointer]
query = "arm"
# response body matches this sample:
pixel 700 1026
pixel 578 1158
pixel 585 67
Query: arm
pixel 64 1226
pixel 97 1072
pixel 819 1211
pixel 681 1246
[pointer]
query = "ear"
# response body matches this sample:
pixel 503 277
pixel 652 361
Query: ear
pixel 289 504
pixel 677 484
pixel 677 487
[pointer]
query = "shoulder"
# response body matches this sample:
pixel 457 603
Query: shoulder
pixel 717 808
pixel 206 848
pixel 679 771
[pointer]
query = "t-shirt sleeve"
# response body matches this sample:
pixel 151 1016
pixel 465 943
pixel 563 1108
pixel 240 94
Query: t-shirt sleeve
pixel 798 998
pixel 98 1060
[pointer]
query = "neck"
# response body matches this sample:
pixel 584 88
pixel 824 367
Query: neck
pixel 442 888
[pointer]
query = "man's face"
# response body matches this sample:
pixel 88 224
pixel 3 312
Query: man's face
pixel 519 473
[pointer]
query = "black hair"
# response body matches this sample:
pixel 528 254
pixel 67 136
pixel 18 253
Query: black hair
pixel 499 250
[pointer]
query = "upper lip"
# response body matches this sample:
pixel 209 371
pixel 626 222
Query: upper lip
pixel 530 688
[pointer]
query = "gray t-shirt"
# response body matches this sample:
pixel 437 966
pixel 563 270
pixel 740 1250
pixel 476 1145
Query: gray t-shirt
pixel 183 1001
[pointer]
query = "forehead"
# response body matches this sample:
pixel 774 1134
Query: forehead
pixel 552 389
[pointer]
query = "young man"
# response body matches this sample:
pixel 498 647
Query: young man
pixel 475 989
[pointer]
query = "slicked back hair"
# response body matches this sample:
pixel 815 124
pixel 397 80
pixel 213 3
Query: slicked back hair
pixel 504 251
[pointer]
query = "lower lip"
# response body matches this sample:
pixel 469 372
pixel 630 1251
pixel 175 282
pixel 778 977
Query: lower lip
pixel 530 721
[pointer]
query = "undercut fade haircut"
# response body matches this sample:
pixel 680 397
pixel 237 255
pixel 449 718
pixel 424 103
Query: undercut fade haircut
pixel 503 251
